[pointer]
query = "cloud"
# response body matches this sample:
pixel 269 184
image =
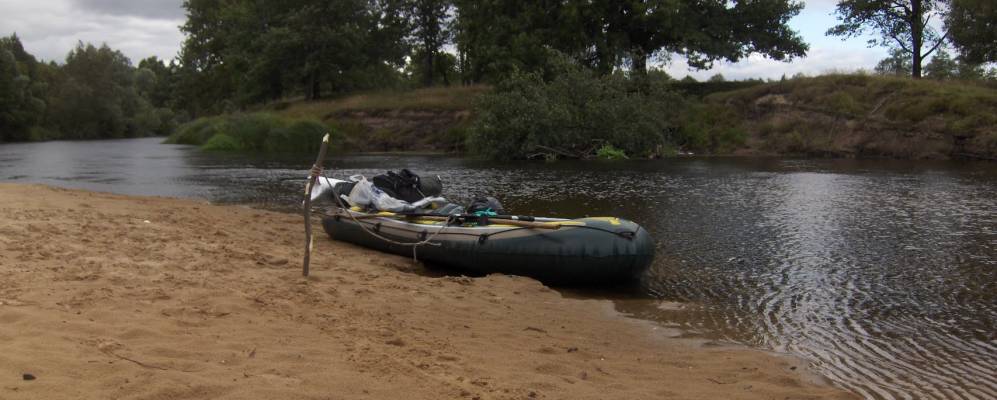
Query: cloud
pixel 827 54
pixel 822 59
pixel 152 9
pixel 138 28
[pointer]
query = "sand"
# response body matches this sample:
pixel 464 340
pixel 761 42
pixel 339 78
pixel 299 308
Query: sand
pixel 116 297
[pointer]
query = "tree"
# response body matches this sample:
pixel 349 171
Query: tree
pixel 717 78
pixel 21 106
pixel 431 29
pixel 704 31
pixel 972 25
pixel 499 36
pixel 19 110
pixel 942 66
pixel 96 95
pixel 974 71
pixel 903 24
pixel 897 64
pixel 243 52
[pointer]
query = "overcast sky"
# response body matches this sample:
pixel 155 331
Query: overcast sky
pixel 142 28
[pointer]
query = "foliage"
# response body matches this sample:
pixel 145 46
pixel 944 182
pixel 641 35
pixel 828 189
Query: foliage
pixel 251 52
pixel 897 64
pixel 496 38
pixel 252 132
pixel 812 109
pixel 221 142
pixel 608 152
pixel 942 66
pixel 901 24
pixel 20 109
pixel 444 70
pixel 972 25
pixel 710 128
pixel 432 31
pixel 458 99
pixel 96 93
pixel 572 115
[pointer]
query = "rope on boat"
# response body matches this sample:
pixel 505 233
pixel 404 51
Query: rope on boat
pixel 415 245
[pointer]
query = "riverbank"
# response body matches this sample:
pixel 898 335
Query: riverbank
pixel 830 116
pixel 109 296
pixel 865 116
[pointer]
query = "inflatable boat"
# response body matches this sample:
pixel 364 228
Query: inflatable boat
pixel 582 251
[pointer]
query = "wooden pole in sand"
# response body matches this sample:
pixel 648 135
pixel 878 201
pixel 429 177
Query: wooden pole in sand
pixel 312 177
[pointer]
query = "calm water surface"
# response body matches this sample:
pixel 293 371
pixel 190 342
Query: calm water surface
pixel 883 274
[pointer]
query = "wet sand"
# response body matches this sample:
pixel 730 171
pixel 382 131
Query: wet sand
pixel 121 297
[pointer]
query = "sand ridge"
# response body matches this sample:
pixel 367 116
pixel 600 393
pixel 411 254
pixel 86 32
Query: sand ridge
pixel 121 297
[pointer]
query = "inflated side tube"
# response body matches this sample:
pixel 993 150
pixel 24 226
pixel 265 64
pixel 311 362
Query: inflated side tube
pixel 582 251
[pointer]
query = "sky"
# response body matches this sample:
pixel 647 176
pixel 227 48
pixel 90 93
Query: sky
pixel 143 28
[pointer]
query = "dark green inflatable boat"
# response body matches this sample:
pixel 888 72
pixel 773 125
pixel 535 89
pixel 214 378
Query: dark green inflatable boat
pixel 577 251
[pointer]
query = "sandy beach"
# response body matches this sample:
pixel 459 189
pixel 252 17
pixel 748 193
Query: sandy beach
pixel 118 297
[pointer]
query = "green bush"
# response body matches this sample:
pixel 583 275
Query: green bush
pixel 608 152
pixel 253 132
pixel 221 142
pixel 573 115
pixel 710 128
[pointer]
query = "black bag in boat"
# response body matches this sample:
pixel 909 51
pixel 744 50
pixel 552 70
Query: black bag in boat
pixel 406 185
pixel 340 190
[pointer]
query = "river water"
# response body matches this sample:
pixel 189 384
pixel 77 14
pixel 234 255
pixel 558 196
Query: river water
pixel 883 274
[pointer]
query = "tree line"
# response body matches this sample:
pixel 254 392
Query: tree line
pixel 238 54
pixel 246 52
pixel 95 93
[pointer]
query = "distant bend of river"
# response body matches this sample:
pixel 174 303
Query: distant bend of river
pixel 883 274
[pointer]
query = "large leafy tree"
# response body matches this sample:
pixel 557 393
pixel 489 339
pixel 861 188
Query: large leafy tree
pixel 903 24
pixel 431 28
pixel 972 25
pixel 21 103
pixel 242 52
pixel 497 36
pixel 704 31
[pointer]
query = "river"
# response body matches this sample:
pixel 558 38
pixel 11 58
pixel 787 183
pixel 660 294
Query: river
pixel 883 274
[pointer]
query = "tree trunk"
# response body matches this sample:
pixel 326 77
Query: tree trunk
pixel 638 61
pixel 313 88
pixel 917 33
pixel 428 75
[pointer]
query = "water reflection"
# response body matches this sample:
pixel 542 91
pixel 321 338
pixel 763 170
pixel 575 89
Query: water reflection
pixel 882 273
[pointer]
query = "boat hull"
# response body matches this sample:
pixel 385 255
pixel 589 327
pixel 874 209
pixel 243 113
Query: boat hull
pixel 586 251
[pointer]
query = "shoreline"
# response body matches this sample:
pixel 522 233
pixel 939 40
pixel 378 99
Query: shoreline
pixel 113 296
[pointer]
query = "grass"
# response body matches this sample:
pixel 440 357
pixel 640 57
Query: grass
pixel 894 99
pixel 901 117
pixel 261 132
pixel 453 98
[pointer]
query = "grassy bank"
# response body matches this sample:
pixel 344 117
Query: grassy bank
pixel 826 116
pixel 251 132
pixel 865 116
pixel 428 119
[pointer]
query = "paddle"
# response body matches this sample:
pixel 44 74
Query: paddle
pixel 312 177
pixel 514 220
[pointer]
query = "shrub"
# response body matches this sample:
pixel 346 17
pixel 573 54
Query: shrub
pixel 253 132
pixel 221 142
pixel 608 152
pixel 710 128
pixel 573 115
